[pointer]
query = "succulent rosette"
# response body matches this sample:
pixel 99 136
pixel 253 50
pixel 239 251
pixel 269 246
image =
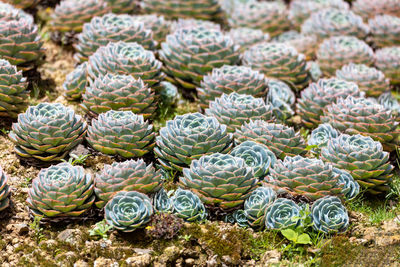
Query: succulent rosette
pixel 321 135
pixel 121 133
pixel 337 51
pixel 130 175
pixel 304 44
pixel 128 210
pixel 168 93
pixel 4 191
pixel 329 215
pixel 61 190
pixel 13 93
pixel 75 83
pixel 385 30
pixel 278 60
pixel 281 98
pixel 388 61
pixel 157 24
pixel 47 132
pixel 350 188
pixel 9 12
pixel 220 180
pixel 363 157
pixel 270 17
pixel 235 109
pixel 188 137
pixel 371 8
pixel 162 201
pixel 281 213
pixel 239 217
pixel 315 70
pixel 366 117
pixel 190 53
pixel 123 6
pixel 369 79
pixel 70 15
pixel 388 101
pixel 246 37
pixel 188 206
pixel 333 22
pixel 111 28
pixel 228 79
pixel 256 205
pixel 279 138
pixel 126 59
pixel 257 156
pixel 317 96
pixel 119 92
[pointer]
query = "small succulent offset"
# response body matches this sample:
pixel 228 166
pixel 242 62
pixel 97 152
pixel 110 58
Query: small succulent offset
pixel 168 93
pixel 126 59
pixel 47 132
pixel 111 28
pixel 61 190
pixel 363 157
pixel 189 137
pixel 228 79
pixel 256 205
pixel 131 175
pixel 190 53
pixel 321 135
pixel 220 180
pixel 13 93
pixel 246 37
pixel 281 98
pixel 369 79
pixel 305 44
pixel 390 102
pixel 350 188
pixel 235 109
pixel 280 61
pixel 281 213
pixel 121 133
pixel 309 177
pixel 162 201
pixel 188 206
pixel 128 210
pixel 119 92
pixel 257 156
pixel 279 138
pixel 385 30
pixel 239 217
pixel 329 215
pixel 4 191
pixel 315 70
pixel 364 116
pixel 76 82
pixel 388 61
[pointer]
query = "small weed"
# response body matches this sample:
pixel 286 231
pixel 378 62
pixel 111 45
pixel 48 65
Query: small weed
pixel 4 131
pixel 185 237
pixel 77 160
pixel 35 226
pixel 100 229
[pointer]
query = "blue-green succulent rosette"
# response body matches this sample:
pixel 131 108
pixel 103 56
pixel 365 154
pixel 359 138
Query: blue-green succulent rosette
pixel 256 204
pixel 329 215
pixel 280 214
pixel 188 206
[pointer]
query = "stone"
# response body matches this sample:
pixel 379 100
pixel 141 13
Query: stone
pixel 142 251
pixel 71 236
pixel 271 257
pixel 21 228
pixel 143 260
pixel 189 262
pixel 81 263
pixel 103 262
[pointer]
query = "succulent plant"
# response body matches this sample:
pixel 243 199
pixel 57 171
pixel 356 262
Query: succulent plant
pixel 194 23
pixel 246 37
pixel 76 81
pixel 301 10
pixel 188 137
pixel 337 51
pixel 280 214
pixel 111 28
pixel 370 80
pixel 121 133
pixel 188 206
pixel 388 61
pixel 385 30
pixel 126 59
pixel 229 79
pixel 239 217
pixel 157 24
pixel 23 3
pixel 20 42
pixel 61 190
pixel 190 53
pixel 130 175
pixel 128 210
pixel 13 93
pixel 256 205
pixel 4 191
pixel 119 92
pixel 162 202
pixel 350 188
pixel 220 180
pixel 70 15
pixel 229 5
pixel 314 70
pixel 366 117
pixel 316 97
pixel 235 109
pixel 281 98
pixel 333 22
pixel 9 12
pixel 174 9
pixel 270 17
pixel 389 102
pixel 168 93
pixel 123 6
pixel 257 156
pixel 371 8
pixel 279 138
pixel 305 44
pixel 47 132
pixel 321 135
pixel 363 157
pixel 329 215
pixel 278 60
